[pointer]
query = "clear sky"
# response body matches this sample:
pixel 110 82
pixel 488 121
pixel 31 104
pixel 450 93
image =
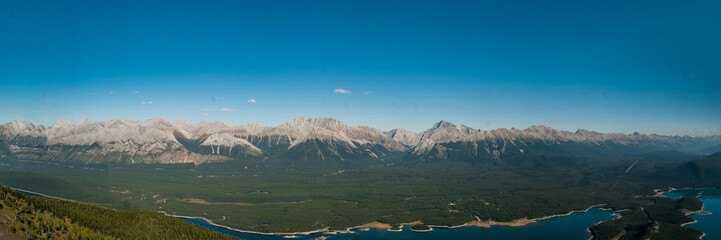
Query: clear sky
pixel 611 66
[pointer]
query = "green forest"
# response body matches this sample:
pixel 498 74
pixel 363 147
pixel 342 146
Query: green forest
pixel 33 217
pixel 284 200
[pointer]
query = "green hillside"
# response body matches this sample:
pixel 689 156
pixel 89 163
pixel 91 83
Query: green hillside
pixel 31 217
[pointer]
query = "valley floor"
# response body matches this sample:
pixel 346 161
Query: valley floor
pixel 272 200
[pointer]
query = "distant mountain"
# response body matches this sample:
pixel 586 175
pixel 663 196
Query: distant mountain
pixel 162 141
pixel 447 141
pixel 404 137
pixel 697 173
pixel 711 149
pixel 311 142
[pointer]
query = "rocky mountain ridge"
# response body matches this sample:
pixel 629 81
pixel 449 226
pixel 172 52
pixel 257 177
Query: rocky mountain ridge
pixel 307 141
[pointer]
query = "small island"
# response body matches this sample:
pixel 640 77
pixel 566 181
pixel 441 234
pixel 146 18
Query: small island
pixel 421 228
pixel 395 228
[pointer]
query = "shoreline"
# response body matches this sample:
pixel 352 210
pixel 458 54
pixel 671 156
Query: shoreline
pixel 40 194
pixel 378 225
pixel 247 231
pixel 688 223
pixel 659 193
pixel 697 212
pixel 421 231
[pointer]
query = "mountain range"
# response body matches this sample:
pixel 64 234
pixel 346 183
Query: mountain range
pixel 312 141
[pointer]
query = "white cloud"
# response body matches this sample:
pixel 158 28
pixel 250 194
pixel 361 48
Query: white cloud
pixel 342 91
pixel 204 109
pixel 111 92
pixel 205 115
pixel 228 110
pixel 368 92
pixel 251 101
pixel 148 102
pixel 136 92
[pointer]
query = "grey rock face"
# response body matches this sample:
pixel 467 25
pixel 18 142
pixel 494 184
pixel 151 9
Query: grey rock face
pixel 162 141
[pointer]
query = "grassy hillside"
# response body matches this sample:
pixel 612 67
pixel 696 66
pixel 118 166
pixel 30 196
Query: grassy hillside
pixel 31 217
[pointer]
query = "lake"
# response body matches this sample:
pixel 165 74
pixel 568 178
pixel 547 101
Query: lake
pixel 573 226
pixel 709 224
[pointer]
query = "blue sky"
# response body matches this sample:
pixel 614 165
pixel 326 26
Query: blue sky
pixel 610 66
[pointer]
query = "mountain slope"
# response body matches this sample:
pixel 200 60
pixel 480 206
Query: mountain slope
pixel 162 141
pixel 447 141
pixel 311 142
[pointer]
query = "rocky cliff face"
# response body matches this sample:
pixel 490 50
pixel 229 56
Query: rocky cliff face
pixel 308 141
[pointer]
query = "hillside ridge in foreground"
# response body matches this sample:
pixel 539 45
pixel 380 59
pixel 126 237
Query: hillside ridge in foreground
pixel 32 217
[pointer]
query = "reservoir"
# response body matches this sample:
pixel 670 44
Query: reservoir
pixel 708 224
pixel 573 226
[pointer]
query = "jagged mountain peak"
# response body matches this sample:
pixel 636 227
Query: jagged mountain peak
pixel 16 128
pixel 181 122
pixel 22 125
pixel 453 127
pixel 444 124
pixel 158 120
pixel 396 131
pixel 161 123
pixel 584 132
pixel 443 131
pixel 403 136
pixel 539 128
pixel 304 127
pixel 61 123
pixel 121 123
pixel 544 131
pixel 85 121
pixel 315 122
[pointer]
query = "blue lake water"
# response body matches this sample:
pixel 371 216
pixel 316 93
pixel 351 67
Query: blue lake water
pixel 709 224
pixel 573 226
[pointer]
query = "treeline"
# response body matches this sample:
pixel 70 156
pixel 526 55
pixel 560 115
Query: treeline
pixel 43 218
